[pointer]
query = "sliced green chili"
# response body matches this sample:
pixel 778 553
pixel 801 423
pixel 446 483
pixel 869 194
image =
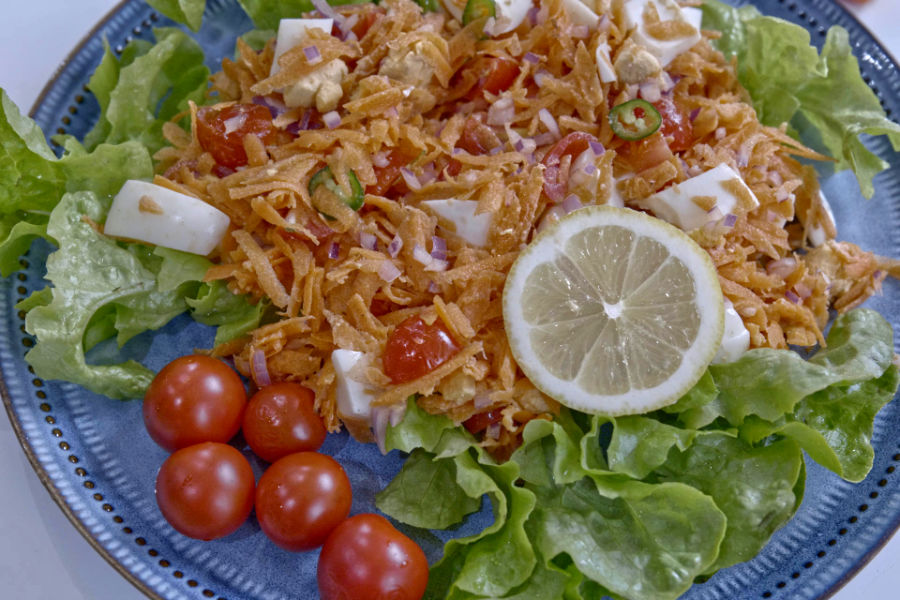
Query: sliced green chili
pixel 430 5
pixel 324 177
pixel 634 120
pixel 478 9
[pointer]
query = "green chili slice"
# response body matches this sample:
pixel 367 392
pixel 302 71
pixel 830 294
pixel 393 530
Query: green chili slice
pixel 430 5
pixel 478 9
pixel 324 177
pixel 634 120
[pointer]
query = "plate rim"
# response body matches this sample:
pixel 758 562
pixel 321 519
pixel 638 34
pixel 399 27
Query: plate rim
pixel 119 567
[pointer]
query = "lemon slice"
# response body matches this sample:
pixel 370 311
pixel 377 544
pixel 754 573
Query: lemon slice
pixel 612 311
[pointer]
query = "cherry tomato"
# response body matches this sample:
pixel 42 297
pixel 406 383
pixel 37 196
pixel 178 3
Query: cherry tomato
pixel 205 491
pixel 476 137
pixel 676 124
pixel 280 420
pixel 481 421
pixel 301 498
pixel 194 399
pixel 415 348
pixel 366 558
pixel 572 144
pixel 221 131
pixel 495 74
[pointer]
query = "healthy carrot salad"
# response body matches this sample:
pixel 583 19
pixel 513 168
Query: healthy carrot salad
pixel 345 200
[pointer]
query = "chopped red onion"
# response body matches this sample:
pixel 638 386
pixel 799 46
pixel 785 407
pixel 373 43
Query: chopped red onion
pixel 428 175
pixel 388 271
pixel 433 288
pixel 493 431
pixel 721 133
pixel 554 189
pixel 368 240
pixel 392 113
pixel 489 26
pixel 437 264
pixel 331 119
pixel 234 123
pixel 380 159
pixel 775 177
pixel 347 26
pixel 532 15
pixel 312 54
pixel 651 91
pixel 782 194
pixel 604 23
pixel 802 290
pixel 730 220
pixel 539 76
pixel 532 58
pixel 456 151
pixel 303 123
pixel 694 114
pixel 589 169
pixel 381 416
pixel 328 11
pixel 438 247
pixel 335 250
pixel 350 37
pixel 714 214
pixel 549 121
pixel 579 32
pixel 412 182
pixel 572 202
pixel 395 246
pixel 482 399
pixel 743 156
pixel 258 368
pixel 501 112
pixel 792 297
pixel 782 267
pixel 421 255
pixel 597 147
pixel 276 108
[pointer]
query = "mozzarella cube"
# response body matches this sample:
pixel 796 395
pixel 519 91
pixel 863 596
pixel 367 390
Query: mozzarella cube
pixel 473 228
pixel 292 32
pixel 150 213
pixel 681 204
pixel 580 14
pixel 664 50
pixel 735 338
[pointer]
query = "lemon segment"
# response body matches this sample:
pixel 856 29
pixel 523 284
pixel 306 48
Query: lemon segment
pixel 612 311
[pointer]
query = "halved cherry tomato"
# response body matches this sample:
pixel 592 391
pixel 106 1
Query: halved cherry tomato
pixel 364 23
pixel 415 348
pixel 476 137
pixel 280 420
pixel 481 421
pixel 366 558
pixel 205 491
pixel 492 74
pixel 301 498
pixel 676 124
pixel 221 131
pixel 194 399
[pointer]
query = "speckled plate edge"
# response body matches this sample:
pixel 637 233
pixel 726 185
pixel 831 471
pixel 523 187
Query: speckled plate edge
pixel 857 30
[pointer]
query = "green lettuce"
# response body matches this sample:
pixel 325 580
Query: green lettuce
pixel 640 507
pixel 822 95
pixel 265 13
pixel 189 12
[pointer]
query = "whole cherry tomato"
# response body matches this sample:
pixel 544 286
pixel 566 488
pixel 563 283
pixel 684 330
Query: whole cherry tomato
pixel 366 558
pixel 415 348
pixel 280 420
pixel 194 399
pixel 676 124
pixel 205 491
pixel 221 131
pixel 301 498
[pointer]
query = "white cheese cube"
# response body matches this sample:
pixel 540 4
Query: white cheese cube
pixel 473 228
pixel 664 50
pixel 292 32
pixel 150 213
pixel 580 14
pixel 735 338
pixel 679 204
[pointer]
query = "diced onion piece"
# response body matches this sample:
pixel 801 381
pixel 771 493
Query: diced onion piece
pixel 438 247
pixel 313 56
pixel 368 240
pixel 549 121
pixel 421 255
pixel 395 246
pixel 259 369
pixel 571 203
pixel 154 214
pixel 388 271
pixel 412 182
pixel 532 58
pixel 782 267
pixel 331 119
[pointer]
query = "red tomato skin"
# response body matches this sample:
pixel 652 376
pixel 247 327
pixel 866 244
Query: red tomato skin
pixel 676 124
pixel 301 498
pixel 280 419
pixel 388 175
pixel 194 399
pixel 480 421
pixel 221 131
pixel 572 144
pixel 415 348
pixel 366 558
pixel 495 74
pixel 205 491
pixel 646 153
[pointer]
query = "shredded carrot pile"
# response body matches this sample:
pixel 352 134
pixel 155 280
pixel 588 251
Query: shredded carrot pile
pixel 411 99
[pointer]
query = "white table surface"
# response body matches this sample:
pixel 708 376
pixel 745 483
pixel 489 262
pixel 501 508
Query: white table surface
pixel 42 556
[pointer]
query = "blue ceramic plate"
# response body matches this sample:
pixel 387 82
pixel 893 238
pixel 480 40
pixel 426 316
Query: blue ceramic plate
pixel 97 461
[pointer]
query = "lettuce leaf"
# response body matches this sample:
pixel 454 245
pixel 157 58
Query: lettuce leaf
pixel 641 506
pixel 265 13
pixel 822 95
pixel 189 12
